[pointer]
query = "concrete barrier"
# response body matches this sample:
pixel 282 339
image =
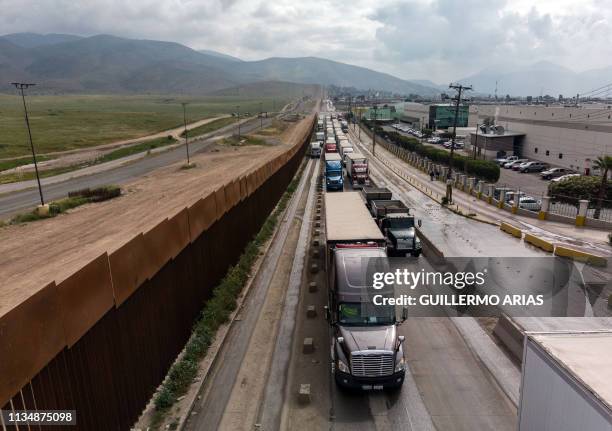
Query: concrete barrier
pixel 512 230
pixel 511 335
pixel 539 242
pixel 581 256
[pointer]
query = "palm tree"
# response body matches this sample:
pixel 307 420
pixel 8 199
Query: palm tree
pixel 604 164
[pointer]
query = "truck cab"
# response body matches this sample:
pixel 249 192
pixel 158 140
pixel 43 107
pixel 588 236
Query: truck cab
pixel 366 351
pixel 397 225
pixel 334 179
pixel 400 232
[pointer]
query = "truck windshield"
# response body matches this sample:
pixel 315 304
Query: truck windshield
pixel 399 223
pixel 364 313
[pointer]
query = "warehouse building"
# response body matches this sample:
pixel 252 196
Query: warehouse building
pixel 435 116
pixel 570 137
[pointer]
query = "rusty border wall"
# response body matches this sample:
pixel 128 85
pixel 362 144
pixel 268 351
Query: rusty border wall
pixel 101 341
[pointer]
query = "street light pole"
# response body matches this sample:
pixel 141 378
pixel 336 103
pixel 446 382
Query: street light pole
pixel 185 132
pixel 374 130
pixel 21 86
pixel 238 114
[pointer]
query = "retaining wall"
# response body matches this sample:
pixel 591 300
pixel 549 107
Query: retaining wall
pixel 102 341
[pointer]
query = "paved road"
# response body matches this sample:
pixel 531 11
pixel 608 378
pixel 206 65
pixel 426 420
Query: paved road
pixel 13 203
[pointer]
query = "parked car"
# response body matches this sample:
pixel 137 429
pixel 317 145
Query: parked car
pixel 533 167
pixel 564 177
pixel 519 166
pixel 498 190
pixel 510 195
pixel 509 165
pixel 528 203
pixel 555 173
pixel 502 161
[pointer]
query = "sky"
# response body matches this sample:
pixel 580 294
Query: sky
pixel 438 40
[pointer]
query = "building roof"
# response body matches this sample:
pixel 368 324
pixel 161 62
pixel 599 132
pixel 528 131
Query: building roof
pixel 585 355
pixel 495 135
pixel 348 219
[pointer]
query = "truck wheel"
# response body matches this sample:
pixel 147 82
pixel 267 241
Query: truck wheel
pixel 416 253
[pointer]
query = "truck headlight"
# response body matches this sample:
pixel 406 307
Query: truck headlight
pixel 401 365
pixel 343 367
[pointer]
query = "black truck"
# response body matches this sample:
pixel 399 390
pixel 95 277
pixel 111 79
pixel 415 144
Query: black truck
pixel 398 226
pixel 366 351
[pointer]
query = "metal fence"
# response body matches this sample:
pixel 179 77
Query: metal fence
pixel 109 375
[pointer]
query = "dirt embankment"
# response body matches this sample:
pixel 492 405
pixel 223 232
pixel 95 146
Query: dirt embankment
pixel 38 253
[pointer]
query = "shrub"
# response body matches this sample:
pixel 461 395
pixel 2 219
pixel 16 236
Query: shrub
pixel 575 188
pixel 482 169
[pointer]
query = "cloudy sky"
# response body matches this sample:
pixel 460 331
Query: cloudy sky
pixel 440 40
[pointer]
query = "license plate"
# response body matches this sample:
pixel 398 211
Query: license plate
pixel 372 387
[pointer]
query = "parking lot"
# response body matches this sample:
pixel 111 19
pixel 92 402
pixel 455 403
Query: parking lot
pixel 530 183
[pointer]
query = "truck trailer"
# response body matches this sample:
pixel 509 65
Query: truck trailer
pixel 376 193
pixel 330 146
pixel 334 179
pixel 366 352
pixel 357 169
pixel 315 149
pixel 566 382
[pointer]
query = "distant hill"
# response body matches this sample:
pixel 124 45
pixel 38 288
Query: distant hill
pixel 219 54
pixel 104 63
pixel 269 89
pixel 311 70
pixel 539 78
pixel 32 40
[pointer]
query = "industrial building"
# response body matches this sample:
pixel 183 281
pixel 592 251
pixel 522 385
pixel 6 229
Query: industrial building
pixel 435 116
pixel 570 137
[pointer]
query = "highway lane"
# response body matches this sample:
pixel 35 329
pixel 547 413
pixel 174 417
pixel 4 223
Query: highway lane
pixel 12 203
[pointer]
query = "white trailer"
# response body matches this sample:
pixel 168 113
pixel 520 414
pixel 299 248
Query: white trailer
pixel 566 382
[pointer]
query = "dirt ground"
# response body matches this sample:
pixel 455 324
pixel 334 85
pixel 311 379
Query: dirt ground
pixel 73 157
pixel 36 253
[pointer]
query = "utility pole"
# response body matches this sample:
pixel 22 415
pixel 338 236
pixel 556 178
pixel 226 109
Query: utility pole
pixel 261 115
pixel 21 86
pixel 185 132
pixel 460 89
pixel 476 142
pixel 238 115
pixel 374 130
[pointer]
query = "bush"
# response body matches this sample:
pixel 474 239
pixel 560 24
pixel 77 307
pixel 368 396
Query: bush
pixel 575 188
pixel 482 169
pixel 610 238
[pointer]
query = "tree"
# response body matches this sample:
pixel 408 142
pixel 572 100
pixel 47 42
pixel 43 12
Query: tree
pixel 604 164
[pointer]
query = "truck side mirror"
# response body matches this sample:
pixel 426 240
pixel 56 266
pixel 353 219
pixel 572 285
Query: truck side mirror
pixel 340 340
pixel 326 313
pixel 420 222
pixel 401 338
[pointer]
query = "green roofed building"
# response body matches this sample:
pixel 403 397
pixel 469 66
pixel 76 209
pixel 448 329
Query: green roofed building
pixel 382 114
pixel 442 116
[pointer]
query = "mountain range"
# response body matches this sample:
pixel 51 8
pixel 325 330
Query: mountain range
pixel 103 63
pixel 537 79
